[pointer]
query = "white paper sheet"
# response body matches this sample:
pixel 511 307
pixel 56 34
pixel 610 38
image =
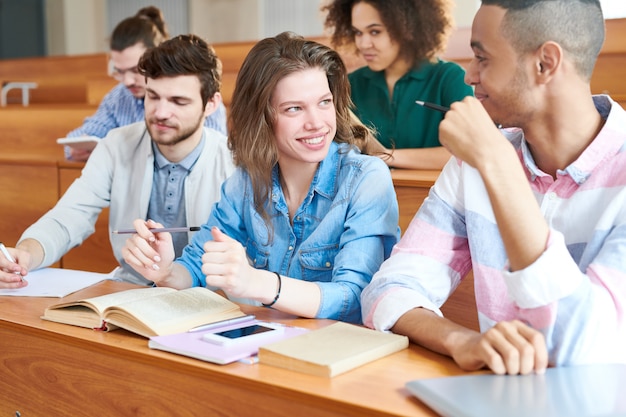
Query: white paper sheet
pixel 55 282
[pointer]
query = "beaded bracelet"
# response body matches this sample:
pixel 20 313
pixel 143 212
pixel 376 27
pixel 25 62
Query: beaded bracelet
pixel 280 284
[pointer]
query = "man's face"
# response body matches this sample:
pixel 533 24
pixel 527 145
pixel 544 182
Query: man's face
pixel 173 108
pixel 500 76
pixel 125 69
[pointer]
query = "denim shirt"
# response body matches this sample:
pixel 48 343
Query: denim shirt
pixel 342 232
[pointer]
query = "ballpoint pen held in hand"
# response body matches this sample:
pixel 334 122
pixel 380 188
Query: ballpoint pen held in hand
pixel 7 255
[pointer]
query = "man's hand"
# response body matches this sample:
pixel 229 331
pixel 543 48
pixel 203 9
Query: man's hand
pixel 509 347
pixel 469 134
pixel 150 254
pixel 12 270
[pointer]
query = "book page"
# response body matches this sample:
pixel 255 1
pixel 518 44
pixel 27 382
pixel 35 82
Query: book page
pixel 174 312
pixel 101 303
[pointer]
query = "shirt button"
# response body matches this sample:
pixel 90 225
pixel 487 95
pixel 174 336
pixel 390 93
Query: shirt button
pixel 298 218
pixel 290 247
pixel 552 196
pixel 327 264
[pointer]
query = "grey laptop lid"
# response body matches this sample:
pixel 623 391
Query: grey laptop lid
pixel 577 391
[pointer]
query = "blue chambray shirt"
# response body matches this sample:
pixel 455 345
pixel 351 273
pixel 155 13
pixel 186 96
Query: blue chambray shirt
pixel 342 232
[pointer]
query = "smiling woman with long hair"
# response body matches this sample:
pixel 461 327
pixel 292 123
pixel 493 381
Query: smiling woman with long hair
pixel 306 219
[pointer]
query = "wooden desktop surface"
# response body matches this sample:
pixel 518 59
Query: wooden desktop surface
pixel 53 369
pixel 412 187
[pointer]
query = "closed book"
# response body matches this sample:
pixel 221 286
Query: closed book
pixel 331 350
pixel 146 311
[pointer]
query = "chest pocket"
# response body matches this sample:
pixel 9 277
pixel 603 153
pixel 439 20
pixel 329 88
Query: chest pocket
pixel 317 263
pixel 257 257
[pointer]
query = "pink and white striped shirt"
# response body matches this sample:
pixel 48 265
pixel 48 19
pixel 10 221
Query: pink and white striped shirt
pixel 575 293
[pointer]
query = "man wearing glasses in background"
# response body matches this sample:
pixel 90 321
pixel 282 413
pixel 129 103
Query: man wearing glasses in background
pixel 124 104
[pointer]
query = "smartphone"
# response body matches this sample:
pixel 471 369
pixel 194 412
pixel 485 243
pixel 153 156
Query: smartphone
pixel 254 333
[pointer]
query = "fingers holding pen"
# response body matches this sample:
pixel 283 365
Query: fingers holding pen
pixel 11 270
pixel 146 250
pixel 468 132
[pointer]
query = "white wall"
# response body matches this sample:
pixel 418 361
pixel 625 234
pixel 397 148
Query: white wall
pixel 76 26
pixel 82 26
pixel 464 12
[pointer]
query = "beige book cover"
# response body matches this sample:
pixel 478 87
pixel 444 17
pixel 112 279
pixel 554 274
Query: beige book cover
pixel 148 312
pixel 332 350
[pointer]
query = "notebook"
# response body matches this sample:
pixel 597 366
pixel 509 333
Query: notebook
pixel 581 391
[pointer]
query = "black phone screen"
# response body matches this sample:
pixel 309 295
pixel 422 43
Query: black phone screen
pixel 244 331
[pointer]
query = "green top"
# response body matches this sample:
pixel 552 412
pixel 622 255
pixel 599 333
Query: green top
pixel 402 123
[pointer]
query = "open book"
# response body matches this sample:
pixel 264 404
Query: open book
pixel 331 350
pixel 146 311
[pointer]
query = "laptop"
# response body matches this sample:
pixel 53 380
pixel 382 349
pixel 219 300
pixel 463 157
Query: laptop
pixel 577 391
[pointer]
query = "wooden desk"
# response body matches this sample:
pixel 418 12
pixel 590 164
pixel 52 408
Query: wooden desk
pixel 412 187
pixel 51 369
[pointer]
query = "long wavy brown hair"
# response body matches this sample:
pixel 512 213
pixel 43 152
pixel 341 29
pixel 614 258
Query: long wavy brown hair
pixel 252 117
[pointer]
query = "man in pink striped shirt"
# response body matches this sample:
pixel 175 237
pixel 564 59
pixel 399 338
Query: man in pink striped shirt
pixel 537 210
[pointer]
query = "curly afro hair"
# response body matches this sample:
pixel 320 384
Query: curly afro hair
pixel 420 27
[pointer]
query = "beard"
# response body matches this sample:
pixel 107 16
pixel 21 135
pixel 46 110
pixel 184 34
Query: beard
pixel 183 133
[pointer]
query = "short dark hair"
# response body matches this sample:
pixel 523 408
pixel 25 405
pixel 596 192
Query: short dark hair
pixel 576 25
pixel 147 26
pixel 184 55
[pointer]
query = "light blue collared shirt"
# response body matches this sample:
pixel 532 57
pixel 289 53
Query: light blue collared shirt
pixel 167 200
pixel 342 232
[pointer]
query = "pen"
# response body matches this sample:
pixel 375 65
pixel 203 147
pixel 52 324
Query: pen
pixel 432 106
pixel 159 230
pixel 7 255
pixel 441 108
pixel 222 323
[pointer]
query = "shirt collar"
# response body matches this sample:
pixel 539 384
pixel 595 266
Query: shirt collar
pixel 325 179
pixel 421 72
pixel 606 144
pixel 188 162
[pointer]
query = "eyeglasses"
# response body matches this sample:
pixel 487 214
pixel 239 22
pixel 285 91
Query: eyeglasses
pixel 119 74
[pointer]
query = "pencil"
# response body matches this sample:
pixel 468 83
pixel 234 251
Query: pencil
pixel 159 230
pixel 432 106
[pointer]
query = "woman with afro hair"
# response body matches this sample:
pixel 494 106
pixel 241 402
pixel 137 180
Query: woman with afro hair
pixel 400 41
